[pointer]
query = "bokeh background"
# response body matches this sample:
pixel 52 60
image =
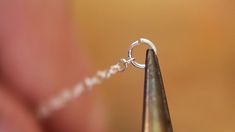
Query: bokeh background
pixel 196 48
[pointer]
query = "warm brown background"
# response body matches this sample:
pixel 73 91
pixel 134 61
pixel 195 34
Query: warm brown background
pixel 196 44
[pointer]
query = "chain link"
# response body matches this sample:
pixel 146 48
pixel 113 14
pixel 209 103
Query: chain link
pixel 59 101
pixel 88 83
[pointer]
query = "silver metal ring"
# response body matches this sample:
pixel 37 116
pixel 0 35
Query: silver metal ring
pixel 144 41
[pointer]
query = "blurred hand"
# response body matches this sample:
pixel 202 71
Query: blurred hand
pixel 39 57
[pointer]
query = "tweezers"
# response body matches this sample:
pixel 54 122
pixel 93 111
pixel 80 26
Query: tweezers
pixel 156 117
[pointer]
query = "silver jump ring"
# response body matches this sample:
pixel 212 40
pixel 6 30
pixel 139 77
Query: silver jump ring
pixel 144 41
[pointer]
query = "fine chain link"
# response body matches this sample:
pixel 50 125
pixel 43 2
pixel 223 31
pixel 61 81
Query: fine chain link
pixel 59 101
pixel 88 83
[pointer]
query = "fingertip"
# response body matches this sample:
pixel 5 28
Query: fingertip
pixel 14 117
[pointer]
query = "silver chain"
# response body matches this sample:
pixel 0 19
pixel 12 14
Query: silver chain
pixel 88 83
pixel 60 100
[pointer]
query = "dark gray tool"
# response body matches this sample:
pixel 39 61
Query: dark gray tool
pixel 156 117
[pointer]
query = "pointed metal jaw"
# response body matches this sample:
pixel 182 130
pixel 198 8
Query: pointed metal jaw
pixel 156 117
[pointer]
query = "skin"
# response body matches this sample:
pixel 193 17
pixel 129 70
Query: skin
pixel 39 57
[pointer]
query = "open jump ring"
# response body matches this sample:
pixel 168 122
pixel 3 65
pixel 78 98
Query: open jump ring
pixel 138 42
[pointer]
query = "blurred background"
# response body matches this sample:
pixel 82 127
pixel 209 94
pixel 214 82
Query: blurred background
pixel 196 48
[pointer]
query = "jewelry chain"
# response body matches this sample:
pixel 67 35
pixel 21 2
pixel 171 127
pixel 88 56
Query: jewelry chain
pixel 59 101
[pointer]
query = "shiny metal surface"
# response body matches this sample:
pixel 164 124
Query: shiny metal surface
pixel 156 117
pixel 138 42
